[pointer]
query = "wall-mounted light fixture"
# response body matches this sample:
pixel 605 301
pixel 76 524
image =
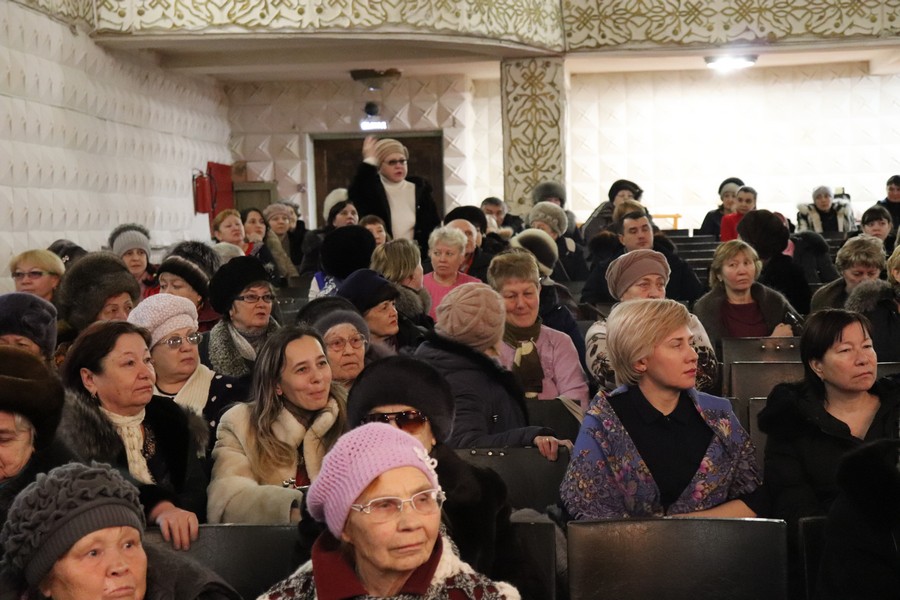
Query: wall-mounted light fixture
pixel 727 64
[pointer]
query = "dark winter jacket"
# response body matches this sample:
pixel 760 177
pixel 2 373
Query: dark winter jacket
pixel 861 555
pixel 683 283
pixel 811 253
pixel 781 274
pixel 414 305
pixel 179 438
pixel 171 576
pixel 830 295
pixel 54 455
pixel 878 301
pixel 480 263
pixel 708 309
pixel 805 444
pixel 490 405
pixel 571 265
pixel 712 222
pixel 368 195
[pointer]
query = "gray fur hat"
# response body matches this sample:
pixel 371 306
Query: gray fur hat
pixel 129 236
pixel 548 189
pixel 29 316
pixel 403 380
pixel 59 508
pixel 551 214
pixel 87 285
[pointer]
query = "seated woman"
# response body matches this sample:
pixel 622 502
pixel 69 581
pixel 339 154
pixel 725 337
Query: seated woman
pixel 744 202
pixel 411 395
pixel 37 272
pixel 859 260
pixel 712 222
pixel 112 416
pixel 376 545
pixel 31 402
pixel 377 228
pixel 343 251
pixel 738 306
pixel 489 402
pixel 551 219
pixel 644 274
pixel 270 448
pixel 28 322
pixel 825 215
pixel 172 324
pixel 75 534
pixel 447 250
pixel 131 243
pixel 339 212
pixel 839 404
pixel 656 446
pixel 602 217
pixel 287 229
pixel 769 236
pixel 228 226
pixel 877 222
pixel 241 293
pixel 266 246
pixel 877 300
pixel 346 338
pixel 543 360
pixel 186 271
pixel 400 262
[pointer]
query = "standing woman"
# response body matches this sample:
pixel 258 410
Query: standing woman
pixel 131 243
pixel 111 416
pixel 839 405
pixel 447 249
pixel 241 292
pixel 381 188
pixel 266 450
pixel 37 272
pixel 656 446
pixel 738 306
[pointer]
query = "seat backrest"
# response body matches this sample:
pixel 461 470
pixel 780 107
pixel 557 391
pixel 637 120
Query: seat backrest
pixel 531 480
pixel 758 349
pixel 553 414
pixel 757 436
pixel 252 558
pixel 678 559
pixel 888 368
pixel 756 379
pixel 811 539
pixel 535 535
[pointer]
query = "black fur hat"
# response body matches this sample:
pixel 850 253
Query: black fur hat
pixel 347 249
pixel 403 380
pixel 29 316
pixel 195 262
pixel 29 388
pixel 87 285
pixel 234 276
pixel 472 214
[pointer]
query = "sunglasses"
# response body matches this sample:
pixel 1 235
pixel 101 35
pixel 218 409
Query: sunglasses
pixel 407 420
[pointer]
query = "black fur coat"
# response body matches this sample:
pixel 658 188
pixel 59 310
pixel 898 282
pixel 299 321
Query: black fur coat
pixel 180 438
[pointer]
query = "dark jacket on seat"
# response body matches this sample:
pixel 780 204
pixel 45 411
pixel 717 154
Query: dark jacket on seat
pixel 490 405
pixel 878 301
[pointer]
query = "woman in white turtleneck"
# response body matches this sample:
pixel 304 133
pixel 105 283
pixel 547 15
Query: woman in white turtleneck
pixel 381 187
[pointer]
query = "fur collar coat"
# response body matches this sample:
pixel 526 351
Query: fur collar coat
pixel 220 354
pixel 809 219
pixel 180 437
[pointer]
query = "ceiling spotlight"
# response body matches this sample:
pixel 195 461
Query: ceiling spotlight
pixel 727 64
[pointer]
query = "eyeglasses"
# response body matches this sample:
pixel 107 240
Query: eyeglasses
pixel 338 344
pixel 253 298
pixel 407 420
pixel 34 274
pixel 176 340
pixel 382 510
pixel 396 161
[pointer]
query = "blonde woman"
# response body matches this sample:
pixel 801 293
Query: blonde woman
pixel 400 262
pixel 267 451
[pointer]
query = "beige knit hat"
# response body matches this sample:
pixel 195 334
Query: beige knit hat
pixel 472 314
pixel 388 146
pixel 626 270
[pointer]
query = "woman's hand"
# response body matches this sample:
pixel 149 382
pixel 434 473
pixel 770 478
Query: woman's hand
pixel 369 147
pixel 549 446
pixel 782 330
pixel 177 526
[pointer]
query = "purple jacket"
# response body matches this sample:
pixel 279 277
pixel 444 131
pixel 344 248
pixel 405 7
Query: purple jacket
pixel 563 375
pixel 608 479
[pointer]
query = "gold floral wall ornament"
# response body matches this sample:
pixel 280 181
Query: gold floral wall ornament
pixel 533 93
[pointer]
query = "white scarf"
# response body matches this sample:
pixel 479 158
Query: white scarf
pixel 195 392
pixel 132 434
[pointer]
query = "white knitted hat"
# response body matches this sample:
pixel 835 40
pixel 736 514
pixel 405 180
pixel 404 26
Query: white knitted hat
pixel 162 314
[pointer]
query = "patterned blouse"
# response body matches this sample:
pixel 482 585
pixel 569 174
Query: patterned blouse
pixel 608 479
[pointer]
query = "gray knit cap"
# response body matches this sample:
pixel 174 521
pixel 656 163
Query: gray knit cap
pixel 128 237
pixel 340 317
pixel 59 508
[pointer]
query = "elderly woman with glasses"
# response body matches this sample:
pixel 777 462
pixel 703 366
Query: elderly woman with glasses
pixel 240 291
pixel 381 188
pixel 172 323
pixel 346 338
pixel 37 272
pixel 379 495
pixel 269 450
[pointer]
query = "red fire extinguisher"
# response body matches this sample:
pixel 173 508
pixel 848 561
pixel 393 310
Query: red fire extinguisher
pixel 204 195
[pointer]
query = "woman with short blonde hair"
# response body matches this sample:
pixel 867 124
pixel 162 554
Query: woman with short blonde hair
pixel 447 250
pixel 629 461
pixel 37 272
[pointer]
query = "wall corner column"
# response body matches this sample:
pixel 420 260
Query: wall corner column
pixel 533 94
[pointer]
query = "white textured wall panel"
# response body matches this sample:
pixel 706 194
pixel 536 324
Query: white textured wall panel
pixel 89 139
pixel 272 125
pixel 488 151
pixel 784 131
